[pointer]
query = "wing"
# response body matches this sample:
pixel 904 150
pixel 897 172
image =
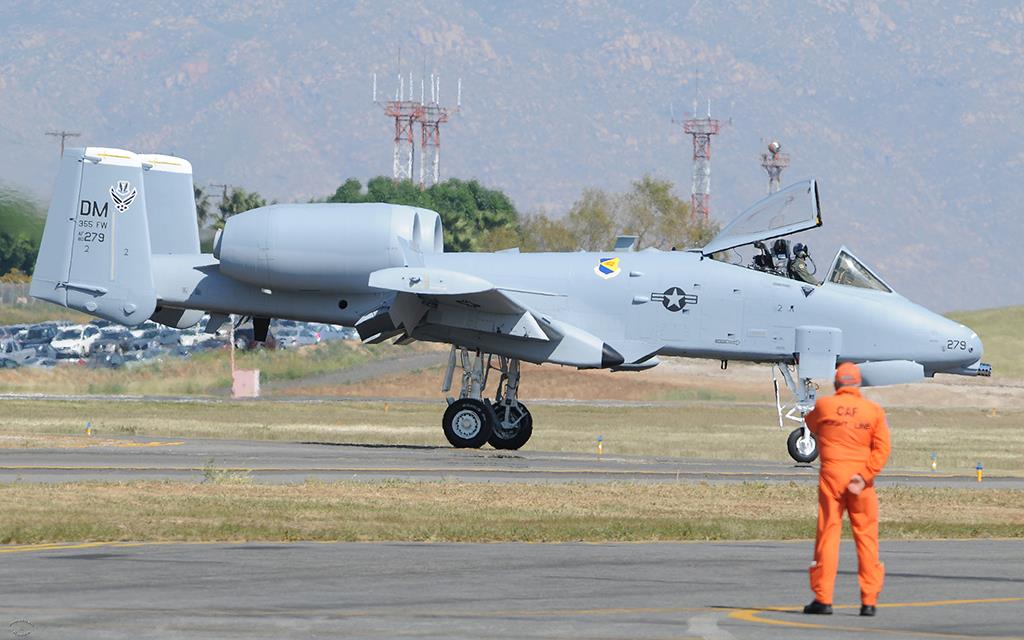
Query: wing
pixel 440 302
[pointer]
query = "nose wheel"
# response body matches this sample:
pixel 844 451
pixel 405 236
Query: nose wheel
pixel 802 445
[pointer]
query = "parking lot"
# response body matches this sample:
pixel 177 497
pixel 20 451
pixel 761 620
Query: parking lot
pixel 102 344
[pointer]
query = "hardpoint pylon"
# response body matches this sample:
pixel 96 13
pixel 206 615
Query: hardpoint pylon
pixel 405 112
pixel 431 116
pixel 701 129
pixel 773 162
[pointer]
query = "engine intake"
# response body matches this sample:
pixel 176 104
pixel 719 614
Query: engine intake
pixel 322 247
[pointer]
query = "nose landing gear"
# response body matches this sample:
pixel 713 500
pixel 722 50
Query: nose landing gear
pixel 471 420
pixel 801 443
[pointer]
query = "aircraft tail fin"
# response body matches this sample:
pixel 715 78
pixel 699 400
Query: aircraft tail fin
pixel 170 205
pixel 95 253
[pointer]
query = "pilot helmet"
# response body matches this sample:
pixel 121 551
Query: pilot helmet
pixel 799 248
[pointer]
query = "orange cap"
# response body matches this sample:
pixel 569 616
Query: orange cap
pixel 848 375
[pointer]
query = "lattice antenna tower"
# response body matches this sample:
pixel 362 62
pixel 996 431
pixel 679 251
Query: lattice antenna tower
pixel 701 129
pixel 773 162
pixel 432 115
pixel 405 111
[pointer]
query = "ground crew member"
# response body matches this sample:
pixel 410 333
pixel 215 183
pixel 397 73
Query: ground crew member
pixel 798 265
pixel 853 441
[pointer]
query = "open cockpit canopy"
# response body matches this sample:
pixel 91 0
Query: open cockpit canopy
pixel 786 211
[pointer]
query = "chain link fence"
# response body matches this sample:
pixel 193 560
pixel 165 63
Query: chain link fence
pixel 12 295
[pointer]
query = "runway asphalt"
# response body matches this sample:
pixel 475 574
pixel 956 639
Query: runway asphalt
pixel 283 462
pixel 717 591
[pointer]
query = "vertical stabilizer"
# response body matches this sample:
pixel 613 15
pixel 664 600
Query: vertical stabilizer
pixel 95 253
pixel 170 205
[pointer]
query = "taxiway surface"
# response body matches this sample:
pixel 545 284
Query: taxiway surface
pixel 717 591
pixel 282 462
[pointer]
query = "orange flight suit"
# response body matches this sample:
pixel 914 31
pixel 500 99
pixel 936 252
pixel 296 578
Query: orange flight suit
pixel 853 437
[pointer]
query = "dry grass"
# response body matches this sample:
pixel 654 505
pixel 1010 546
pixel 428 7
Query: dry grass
pixel 463 512
pixel 961 438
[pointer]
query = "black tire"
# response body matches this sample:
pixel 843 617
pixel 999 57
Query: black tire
pixel 467 423
pixel 795 453
pixel 511 439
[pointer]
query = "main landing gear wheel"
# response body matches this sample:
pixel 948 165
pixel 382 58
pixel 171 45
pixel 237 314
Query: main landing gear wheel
pixel 467 423
pixel 802 449
pixel 513 426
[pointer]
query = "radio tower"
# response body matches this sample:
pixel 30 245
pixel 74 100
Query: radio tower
pixel 701 129
pixel 774 162
pixel 405 114
pixel 432 115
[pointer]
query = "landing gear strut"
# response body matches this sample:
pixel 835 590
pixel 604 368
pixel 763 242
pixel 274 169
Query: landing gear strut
pixel 801 442
pixel 471 420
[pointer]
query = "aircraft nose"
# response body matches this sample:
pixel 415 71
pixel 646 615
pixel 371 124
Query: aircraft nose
pixel 974 346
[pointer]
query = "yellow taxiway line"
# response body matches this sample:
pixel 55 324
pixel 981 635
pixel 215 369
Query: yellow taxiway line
pixel 754 616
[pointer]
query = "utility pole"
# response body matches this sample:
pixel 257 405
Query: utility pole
pixel 63 135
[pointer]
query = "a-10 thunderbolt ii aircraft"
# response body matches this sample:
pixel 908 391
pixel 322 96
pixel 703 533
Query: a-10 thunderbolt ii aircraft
pixel 121 242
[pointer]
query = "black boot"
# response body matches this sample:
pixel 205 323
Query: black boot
pixel 818 608
pixel 867 610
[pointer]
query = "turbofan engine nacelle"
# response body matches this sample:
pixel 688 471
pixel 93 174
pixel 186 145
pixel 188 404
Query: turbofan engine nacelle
pixel 323 247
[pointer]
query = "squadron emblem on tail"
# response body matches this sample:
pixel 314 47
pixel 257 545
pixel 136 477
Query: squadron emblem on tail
pixel 123 194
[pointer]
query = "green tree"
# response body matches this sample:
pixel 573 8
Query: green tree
pixel 475 218
pixel 21 229
pixel 539 232
pixel 202 205
pixel 237 201
pixel 591 220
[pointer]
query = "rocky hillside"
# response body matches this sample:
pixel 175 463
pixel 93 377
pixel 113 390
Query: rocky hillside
pixel 908 113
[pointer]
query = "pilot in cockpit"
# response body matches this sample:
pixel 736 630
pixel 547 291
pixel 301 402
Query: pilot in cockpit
pixel 798 265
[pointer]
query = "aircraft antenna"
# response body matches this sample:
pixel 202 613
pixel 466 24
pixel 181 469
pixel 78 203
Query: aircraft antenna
pixel 63 135
pixel 773 162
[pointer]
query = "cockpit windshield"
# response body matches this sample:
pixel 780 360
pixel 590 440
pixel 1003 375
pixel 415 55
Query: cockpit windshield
pixel 849 271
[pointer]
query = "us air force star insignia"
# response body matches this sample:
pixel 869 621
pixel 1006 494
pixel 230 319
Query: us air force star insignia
pixel 123 194
pixel 607 268
pixel 674 299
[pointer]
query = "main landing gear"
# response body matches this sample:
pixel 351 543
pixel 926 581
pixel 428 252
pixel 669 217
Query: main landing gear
pixel 472 420
pixel 801 443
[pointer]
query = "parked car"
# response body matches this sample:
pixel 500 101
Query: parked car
pixel 39 335
pixel 288 337
pixel 113 339
pixel 9 346
pixel 146 339
pixel 75 341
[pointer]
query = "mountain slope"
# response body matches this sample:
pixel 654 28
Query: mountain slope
pixel 904 112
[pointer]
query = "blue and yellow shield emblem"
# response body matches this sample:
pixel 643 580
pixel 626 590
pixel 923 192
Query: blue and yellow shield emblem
pixel 607 268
